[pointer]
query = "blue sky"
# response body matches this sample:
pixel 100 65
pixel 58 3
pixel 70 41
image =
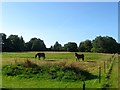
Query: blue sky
pixel 60 21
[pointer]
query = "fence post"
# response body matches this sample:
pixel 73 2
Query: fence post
pixel 110 60
pixel 104 67
pixel 99 74
pixel 106 63
pixel 83 85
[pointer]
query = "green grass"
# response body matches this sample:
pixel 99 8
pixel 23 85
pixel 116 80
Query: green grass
pixel 53 56
pixel 37 83
pixel 114 76
pixel 91 63
pixel 16 82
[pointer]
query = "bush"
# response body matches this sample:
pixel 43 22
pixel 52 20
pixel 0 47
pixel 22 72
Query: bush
pixel 70 76
pixel 58 72
pixel 12 70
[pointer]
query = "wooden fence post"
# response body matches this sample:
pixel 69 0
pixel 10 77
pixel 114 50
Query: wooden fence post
pixel 104 67
pixel 83 85
pixel 106 63
pixel 110 60
pixel 99 74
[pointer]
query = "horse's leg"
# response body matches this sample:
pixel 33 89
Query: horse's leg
pixel 76 58
pixel 35 55
pixel 39 57
pixel 44 57
pixel 83 58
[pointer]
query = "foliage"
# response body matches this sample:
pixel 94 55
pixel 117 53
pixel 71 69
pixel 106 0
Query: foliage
pixel 100 44
pixel 35 45
pixel 58 72
pixel 71 46
pixel 85 46
pixel 118 46
pixel 104 45
pixel 56 47
pixel 22 44
pixel 15 42
pixel 3 41
pixel 12 43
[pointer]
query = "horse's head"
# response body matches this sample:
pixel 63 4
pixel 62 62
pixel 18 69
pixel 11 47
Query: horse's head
pixel 75 53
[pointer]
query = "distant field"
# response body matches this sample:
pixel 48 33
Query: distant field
pixel 66 56
pixel 91 63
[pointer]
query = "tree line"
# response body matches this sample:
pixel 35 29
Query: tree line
pixel 101 44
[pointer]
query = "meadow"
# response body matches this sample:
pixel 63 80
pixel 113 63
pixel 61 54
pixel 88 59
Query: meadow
pixel 92 62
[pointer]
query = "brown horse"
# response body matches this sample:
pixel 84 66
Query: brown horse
pixel 40 55
pixel 78 56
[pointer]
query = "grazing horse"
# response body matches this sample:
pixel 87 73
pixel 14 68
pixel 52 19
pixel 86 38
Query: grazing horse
pixel 40 55
pixel 78 56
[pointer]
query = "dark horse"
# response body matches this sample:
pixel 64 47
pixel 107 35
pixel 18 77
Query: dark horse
pixel 40 55
pixel 78 56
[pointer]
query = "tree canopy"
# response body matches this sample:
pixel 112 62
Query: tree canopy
pixel 35 45
pixel 100 44
pixel 105 44
pixel 56 47
pixel 85 46
pixel 71 46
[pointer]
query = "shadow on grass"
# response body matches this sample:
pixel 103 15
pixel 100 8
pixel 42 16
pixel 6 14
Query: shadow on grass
pixel 50 60
pixel 91 61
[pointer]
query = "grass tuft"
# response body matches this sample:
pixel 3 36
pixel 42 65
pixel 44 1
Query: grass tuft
pixel 62 71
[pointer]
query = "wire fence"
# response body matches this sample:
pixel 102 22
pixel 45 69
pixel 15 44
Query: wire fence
pixel 103 68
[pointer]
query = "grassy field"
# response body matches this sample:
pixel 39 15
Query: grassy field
pixel 91 64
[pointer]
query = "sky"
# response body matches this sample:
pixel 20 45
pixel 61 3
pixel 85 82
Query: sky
pixel 60 21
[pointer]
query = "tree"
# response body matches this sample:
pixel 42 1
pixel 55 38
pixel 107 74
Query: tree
pixel 85 46
pixel 71 46
pixel 101 44
pixel 38 45
pixel 104 44
pixel 15 43
pixel 82 47
pixel 56 47
pixel 28 45
pixel 35 45
pixel 22 44
pixel 3 41
pixel 118 48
